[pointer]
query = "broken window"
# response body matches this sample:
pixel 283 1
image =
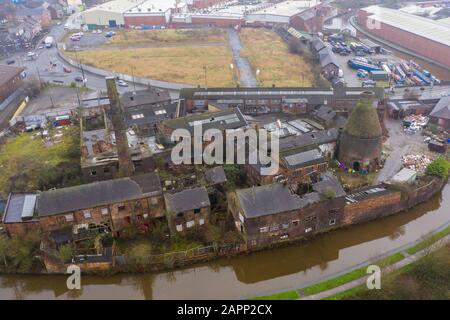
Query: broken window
pixel 196 210
pixel 93 172
pixel 332 222
pixel 263 229
pixel 274 227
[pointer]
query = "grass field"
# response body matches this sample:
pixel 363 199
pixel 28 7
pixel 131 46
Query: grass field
pixel 27 163
pixel 267 52
pixel 169 36
pixel 183 64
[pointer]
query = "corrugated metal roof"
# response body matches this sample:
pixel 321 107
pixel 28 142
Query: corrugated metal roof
pixel 424 27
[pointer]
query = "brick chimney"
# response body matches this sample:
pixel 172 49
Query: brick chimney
pixel 126 167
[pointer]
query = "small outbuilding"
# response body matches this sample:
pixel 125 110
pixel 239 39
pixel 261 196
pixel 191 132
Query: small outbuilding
pixel 404 176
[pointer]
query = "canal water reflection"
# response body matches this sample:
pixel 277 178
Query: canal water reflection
pixel 258 273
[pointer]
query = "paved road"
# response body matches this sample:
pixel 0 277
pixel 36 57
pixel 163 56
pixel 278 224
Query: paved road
pixel 41 67
pixel 247 77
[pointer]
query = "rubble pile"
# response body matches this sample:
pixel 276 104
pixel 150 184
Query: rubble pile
pixel 415 123
pixel 417 162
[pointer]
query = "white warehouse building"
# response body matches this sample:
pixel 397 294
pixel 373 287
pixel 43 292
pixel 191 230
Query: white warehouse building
pixel 109 14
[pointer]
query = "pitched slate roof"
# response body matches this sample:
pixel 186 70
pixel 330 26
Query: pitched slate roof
pixel 186 200
pixel 442 109
pixel 303 158
pixel 216 175
pixel 317 44
pixel 326 57
pixel 96 194
pixel 7 73
pixel 272 199
pixel 308 139
pixel 19 208
pixel 224 119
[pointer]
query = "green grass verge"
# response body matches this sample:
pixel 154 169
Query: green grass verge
pixel 429 241
pixel 354 292
pixel 332 283
pixel 350 276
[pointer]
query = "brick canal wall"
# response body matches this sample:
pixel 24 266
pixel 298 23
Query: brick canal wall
pixel 396 200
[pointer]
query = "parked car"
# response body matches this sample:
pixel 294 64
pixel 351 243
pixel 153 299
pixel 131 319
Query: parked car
pixel 80 79
pixel 10 61
pixel 67 70
pixel 121 83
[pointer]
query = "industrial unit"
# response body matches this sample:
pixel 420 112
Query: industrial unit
pixel 426 37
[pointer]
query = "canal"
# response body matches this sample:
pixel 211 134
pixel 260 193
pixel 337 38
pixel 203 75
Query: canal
pixel 250 275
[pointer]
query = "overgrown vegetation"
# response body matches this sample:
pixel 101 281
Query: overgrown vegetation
pixel 65 253
pixel 29 162
pixel 268 53
pixel 175 63
pixel 236 176
pixel 426 279
pixel 439 168
pixel 20 254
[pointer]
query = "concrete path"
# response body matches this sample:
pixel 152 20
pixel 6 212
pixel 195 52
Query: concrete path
pixel 246 74
pixel 398 265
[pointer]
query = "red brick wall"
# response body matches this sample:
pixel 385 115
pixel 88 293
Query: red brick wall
pixel 420 45
pixel 20 229
pixel 145 20
pixel 201 4
pixel 221 23
pixel 368 209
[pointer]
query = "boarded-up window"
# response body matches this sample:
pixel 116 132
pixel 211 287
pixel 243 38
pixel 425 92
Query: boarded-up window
pixel 104 211
pixel 201 221
pixel 69 217
pixel 179 227
pixel 87 214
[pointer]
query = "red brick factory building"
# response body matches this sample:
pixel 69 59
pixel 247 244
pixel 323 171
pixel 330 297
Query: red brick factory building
pixel 423 36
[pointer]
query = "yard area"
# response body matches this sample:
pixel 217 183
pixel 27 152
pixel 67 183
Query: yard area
pixel 29 162
pixel 268 53
pixel 179 56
